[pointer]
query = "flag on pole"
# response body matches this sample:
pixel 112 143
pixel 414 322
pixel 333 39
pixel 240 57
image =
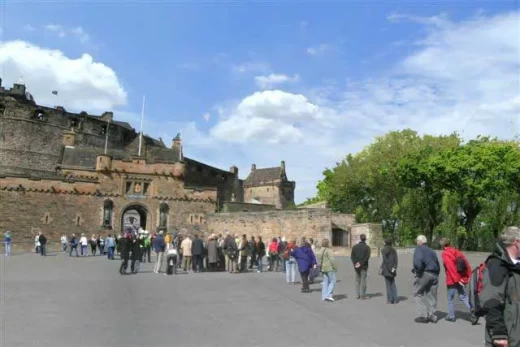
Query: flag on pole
pixel 55 92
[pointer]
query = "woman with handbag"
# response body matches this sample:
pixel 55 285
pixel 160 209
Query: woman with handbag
pixel 389 270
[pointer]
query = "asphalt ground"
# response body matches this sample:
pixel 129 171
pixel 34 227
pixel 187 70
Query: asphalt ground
pixel 61 301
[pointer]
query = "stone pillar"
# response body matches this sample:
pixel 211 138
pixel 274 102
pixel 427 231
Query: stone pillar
pixel 234 170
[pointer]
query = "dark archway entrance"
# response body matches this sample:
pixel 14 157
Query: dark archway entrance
pixel 134 216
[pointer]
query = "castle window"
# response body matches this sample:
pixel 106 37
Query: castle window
pixel 191 219
pixel 213 173
pixel 74 123
pixel 108 208
pixel 2 109
pixel 224 178
pixel 200 219
pixel 39 115
pixel 199 168
pixel 104 129
pixel 78 220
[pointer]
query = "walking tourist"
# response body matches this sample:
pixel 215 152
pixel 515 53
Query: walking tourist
pixel 125 243
pixel 186 252
pixel 111 246
pixel 360 257
pixel 147 247
pixel 260 254
pixel 43 244
pixel 389 271
pixel 253 252
pixel 197 251
pixel 212 253
pixel 290 266
pixel 93 245
pixel 329 268
pixel 273 255
pixel 7 241
pixel 306 261
pixel 458 272
pixel 426 269
pixel 159 246
pixel 232 252
pixel 64 243
pixel 244 253
pixel 101 245
pixel 136 254
pixel 83 244
pixel 73 245
pixel 501 291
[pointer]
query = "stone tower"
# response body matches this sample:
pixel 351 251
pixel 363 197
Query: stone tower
pixel 269 186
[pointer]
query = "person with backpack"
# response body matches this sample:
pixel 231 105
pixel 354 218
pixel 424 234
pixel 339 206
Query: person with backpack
pixel 273 255
pixel 253 252
pixel 458 272
pixel 426 269
pixel 500 294
pixel 160 247
pixel 281 249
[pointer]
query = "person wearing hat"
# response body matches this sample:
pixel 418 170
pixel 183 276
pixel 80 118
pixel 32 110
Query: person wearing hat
pixel 426 269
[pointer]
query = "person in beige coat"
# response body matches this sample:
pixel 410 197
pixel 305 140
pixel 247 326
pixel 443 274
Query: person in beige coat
pixel 186 253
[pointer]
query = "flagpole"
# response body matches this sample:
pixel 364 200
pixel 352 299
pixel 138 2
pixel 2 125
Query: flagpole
pixel 141 133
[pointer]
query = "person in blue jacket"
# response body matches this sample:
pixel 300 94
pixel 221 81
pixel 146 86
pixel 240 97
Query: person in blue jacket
pixel 306 261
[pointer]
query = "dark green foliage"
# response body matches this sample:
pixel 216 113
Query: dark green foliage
pixel 432 185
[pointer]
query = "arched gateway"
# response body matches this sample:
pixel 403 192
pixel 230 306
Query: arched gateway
pixel 135 215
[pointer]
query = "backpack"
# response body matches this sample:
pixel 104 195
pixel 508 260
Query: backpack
pixel 460 263
pixel 475 285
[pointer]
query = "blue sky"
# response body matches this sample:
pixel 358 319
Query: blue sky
pixel 262 82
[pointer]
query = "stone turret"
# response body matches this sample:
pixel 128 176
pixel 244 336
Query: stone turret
pixel 103 163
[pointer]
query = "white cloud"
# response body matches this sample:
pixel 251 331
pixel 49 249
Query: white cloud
pixel 272 80
pixel 273 116
pixel 80 33
pixel 251 66
pixel 315 50
pixel 76 32
pixel 56 28
pixel 460 76
pixel 206 116
pixel 29 27
pixel 82 83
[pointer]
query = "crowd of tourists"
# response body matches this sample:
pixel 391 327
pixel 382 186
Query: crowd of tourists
pixel 491 290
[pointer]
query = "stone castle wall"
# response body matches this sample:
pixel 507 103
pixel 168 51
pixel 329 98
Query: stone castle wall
pixel 30 145
pixel 57 207
pixel 230 207
pixel 289 223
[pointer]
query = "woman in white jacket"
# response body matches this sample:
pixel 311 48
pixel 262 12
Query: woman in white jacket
pixel 83 241
pixel 37 243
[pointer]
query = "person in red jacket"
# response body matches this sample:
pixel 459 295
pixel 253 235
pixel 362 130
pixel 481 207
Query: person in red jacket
pixel 458 272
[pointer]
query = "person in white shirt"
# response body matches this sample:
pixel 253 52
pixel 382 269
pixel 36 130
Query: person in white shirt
pixel 64 243
pixel 83 241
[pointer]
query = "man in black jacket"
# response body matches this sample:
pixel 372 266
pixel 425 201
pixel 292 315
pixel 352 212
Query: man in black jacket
pixel 426 268
pixel 43 244
pixel 360 256
pixel 125 244
pixel 197 251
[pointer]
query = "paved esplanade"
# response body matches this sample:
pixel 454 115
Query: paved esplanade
pixel 60 301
